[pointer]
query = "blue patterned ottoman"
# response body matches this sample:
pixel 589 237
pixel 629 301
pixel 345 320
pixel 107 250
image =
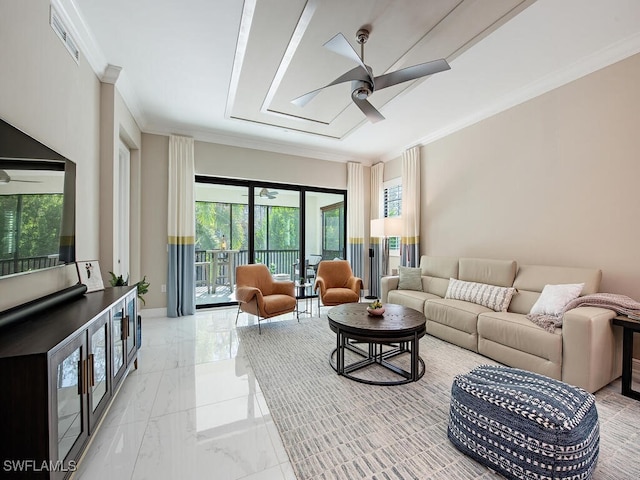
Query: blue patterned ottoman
pixel 524 425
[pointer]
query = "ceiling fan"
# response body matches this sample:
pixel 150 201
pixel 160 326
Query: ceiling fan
pixel 6 178
pixel 266 193
pixel 361 77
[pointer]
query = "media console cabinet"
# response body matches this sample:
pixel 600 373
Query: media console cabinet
pixel 60 367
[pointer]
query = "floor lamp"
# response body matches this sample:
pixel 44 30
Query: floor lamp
pixel 370 297
pixel 385 228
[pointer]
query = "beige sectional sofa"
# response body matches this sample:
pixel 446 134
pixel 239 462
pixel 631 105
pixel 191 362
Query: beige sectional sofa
pixel 585 352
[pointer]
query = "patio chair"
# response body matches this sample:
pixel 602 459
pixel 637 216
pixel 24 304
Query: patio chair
pixel 311 267
pixel 336 283
pixel 260 295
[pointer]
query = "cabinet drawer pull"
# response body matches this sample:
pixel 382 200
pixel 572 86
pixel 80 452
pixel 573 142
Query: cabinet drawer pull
pixel 81 377
pixel 92 373
pixel 123 328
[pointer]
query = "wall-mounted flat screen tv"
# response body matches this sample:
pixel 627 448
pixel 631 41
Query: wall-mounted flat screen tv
pixel 37 204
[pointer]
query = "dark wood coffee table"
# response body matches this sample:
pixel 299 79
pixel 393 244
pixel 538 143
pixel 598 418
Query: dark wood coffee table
pixel 395 333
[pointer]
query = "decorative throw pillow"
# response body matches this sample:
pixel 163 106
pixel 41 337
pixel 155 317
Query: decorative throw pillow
pixel 410 278
pixel 554 298
pixel 490 296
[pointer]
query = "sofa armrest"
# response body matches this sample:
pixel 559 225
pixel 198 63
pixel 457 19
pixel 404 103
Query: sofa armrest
pixel 386 284
pixel 591 348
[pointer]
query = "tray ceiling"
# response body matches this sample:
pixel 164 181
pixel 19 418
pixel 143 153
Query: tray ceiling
pixel 225 71
pixel 294 62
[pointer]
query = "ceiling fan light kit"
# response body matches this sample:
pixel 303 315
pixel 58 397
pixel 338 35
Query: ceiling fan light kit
pixel 363 83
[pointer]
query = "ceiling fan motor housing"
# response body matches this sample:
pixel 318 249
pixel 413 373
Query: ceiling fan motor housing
pixel 361 90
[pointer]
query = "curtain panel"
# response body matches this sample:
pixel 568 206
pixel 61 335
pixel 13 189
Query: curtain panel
pixel 181 297
pixel 355 217
pixel 410 241
pixel 377 179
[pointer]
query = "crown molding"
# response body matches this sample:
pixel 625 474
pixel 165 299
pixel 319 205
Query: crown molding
pixel 254 143
pixel 111 74
pixel 89 47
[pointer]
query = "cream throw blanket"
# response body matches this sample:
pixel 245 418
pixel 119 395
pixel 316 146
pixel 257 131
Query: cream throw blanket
pixel 620 304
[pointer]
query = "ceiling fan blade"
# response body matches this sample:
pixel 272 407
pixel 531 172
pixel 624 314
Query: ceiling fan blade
pixel 369 110
pixel 356 73
pixel 338 44
pixel 411 73
pixel 26 181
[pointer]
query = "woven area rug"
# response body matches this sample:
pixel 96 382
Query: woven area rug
pixel 335 428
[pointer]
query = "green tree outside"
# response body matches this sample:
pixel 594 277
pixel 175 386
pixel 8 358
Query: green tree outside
pixel 36 218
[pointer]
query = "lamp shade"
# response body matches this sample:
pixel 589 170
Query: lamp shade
pixel 377 227
pixel 386 227
pixel 393 227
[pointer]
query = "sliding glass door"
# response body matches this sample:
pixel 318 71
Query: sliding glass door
pixel 240 222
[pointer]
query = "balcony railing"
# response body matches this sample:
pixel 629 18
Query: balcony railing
pixel 278 261
pixel 26 264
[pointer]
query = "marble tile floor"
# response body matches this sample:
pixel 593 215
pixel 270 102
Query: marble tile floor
pixel 192 409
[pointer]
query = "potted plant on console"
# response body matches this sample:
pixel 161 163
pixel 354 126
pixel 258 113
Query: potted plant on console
pixel 142 288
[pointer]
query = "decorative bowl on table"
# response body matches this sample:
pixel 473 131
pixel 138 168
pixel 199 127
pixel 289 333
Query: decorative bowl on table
pixel 375 308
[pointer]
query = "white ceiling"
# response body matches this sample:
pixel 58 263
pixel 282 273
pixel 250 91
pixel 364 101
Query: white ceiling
pixel 225 70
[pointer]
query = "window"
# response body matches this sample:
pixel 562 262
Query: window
pixel 392 207
pixel 29 231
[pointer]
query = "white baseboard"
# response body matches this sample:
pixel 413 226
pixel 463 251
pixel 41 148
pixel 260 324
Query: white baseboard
pixel 153 312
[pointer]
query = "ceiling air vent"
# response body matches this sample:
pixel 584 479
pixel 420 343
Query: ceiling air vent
pixel 63 34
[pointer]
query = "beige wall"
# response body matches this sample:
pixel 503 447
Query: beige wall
pixel 45 93
pixel 219 161
pixel 153 224
pixel 552 181
pixel 234 162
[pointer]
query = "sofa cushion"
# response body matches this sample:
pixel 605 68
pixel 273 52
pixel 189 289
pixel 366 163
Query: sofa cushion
pixel 531 279
pixel 436 272
pixel 492 296
pixel 484 270
pixel 457 314
pixel 515 331
pixel 409 278
pixel 554 298
pixel 410 298
pixel 443 267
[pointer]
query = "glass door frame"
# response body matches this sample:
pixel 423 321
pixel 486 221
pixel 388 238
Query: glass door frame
pixel 252 186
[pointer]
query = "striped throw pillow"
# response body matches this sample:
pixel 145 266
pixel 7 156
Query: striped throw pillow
pixel 490 296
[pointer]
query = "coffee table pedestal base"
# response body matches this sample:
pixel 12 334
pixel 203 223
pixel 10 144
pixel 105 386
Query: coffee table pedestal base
pixel 375 354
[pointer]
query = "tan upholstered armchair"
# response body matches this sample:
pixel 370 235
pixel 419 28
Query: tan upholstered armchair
pixel 336 283
pixel 260 295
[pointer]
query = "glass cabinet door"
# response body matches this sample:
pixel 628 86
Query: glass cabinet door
pixel 69 377
pixel 117 334
pixel 131 325
pixel 98 364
